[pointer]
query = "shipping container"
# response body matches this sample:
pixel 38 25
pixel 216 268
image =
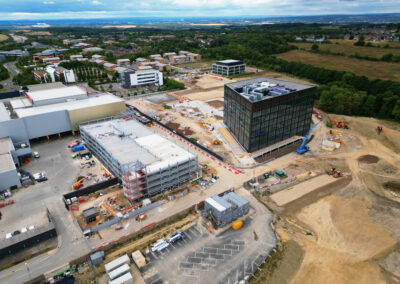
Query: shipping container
pixel 114 274
pixel 124 279
pixel 117 263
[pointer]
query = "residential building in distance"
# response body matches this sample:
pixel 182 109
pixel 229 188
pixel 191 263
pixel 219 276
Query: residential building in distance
pixel 140 60
pixel 110 66
pixel 51 60
pixel 77 57
pixel 145 162
pixel 98 57
pixel 81 45
pixel 49 53
pixel 263 111
pixel 15 52
pixel 71 41
pixel 123 62
pixel 134 79
pixel 228 67
pixel 111 42
pixel 92 49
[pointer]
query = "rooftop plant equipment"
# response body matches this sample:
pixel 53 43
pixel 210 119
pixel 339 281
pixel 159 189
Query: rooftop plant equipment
pixel 305 148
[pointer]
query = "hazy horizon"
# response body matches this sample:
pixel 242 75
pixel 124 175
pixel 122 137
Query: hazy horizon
pixel 106 9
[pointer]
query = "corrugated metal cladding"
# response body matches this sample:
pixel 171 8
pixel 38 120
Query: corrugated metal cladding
pixel 47 124
pixel 9 179
pixel 94 112
pixel 230 207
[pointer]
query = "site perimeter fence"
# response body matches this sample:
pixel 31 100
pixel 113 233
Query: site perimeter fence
pixel 178 134
pixel 128 215
pixel 88 190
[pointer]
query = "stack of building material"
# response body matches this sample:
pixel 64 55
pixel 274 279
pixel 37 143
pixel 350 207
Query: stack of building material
pixel 329 145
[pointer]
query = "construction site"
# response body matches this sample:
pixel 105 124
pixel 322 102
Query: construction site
pixel 168 167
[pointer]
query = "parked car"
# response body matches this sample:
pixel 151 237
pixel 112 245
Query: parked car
pixel 176 237
pixel 36 155
pixel 74 143
pixel 16 233
pixel 40 177
pixel 160 246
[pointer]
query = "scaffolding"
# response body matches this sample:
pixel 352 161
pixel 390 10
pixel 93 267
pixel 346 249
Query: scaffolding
pixel 146 163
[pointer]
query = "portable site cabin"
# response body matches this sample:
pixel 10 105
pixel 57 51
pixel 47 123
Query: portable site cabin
pixel 139 259
pixel 117 263
pixel 124 279
pixel 123 269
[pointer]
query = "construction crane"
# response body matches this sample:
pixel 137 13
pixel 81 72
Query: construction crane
pixel 305 148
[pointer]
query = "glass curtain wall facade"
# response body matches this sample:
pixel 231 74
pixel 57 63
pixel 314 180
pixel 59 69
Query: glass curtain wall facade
pixel 262 123
pixel 228 67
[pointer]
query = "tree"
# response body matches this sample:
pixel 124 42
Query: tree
pixel 396 110
pixel 360 42
pixel 325 101
pixel 314 47
pixel 369 106
pixel 387 57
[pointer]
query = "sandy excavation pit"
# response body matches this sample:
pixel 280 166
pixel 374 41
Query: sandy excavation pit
pixel 393 186
pixel 368 159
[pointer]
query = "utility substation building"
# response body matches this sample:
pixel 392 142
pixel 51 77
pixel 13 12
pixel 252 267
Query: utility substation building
pixel 145 162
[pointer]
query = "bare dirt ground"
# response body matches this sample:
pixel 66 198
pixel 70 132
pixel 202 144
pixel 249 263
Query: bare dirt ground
pixel 349 233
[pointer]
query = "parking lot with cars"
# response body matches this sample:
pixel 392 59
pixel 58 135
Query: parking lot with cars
pixel 203 257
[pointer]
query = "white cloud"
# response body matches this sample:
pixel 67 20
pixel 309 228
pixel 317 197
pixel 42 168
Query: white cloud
pixel 49 2
pixel 96 2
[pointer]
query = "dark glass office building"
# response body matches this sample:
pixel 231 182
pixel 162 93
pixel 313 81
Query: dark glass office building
pixel 228 67
pixel 263 111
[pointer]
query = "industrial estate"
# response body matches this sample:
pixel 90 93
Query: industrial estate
pixel 126 159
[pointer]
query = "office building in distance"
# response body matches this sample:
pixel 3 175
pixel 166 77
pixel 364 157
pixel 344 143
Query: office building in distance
pixel 145 162
pixel 228 67
pixel 263 111
pixel 141 78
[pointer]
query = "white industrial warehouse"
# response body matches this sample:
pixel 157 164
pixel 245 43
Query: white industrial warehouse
pixel 49 109
pixel 146 163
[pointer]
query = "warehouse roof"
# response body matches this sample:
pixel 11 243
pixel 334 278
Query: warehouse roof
pixel 98 100
pixel 59 93
pixel 20 103
pixel 6 160
pixel 129 141
pixel 46 86
pixel 4 115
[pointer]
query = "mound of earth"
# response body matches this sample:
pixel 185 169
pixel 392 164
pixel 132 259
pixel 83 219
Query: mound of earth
pixel 368 159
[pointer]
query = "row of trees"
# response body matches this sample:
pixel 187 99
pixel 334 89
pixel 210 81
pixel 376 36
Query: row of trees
pixel 340 92
pixel 91 74
pixel 344 92
pixel 3 73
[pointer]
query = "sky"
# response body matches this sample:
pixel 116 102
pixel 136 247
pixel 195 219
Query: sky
pixel 92 9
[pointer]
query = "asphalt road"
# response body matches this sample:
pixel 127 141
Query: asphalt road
pixel 56 161
pixel 10 66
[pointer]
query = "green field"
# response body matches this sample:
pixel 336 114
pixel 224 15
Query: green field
pixel 370 69
pixel 348 48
